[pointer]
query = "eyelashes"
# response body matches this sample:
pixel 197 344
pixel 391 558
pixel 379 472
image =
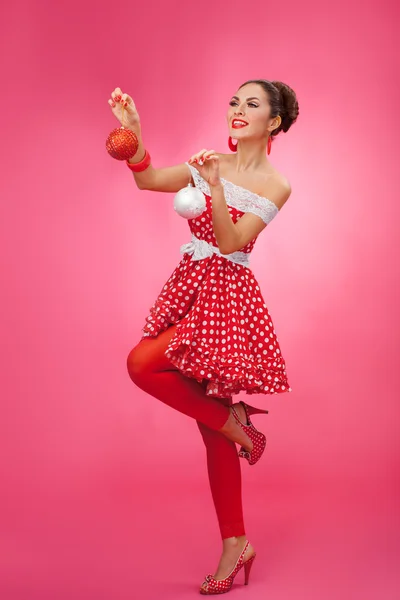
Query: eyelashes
pixel 233 103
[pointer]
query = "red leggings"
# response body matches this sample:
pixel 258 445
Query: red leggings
pixel 152 372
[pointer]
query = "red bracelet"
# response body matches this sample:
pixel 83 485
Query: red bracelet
pixel 140 166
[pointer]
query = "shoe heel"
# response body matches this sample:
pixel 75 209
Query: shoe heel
pixel 247 568
pixel 252 410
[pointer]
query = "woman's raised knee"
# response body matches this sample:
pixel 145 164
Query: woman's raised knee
pixel 137 363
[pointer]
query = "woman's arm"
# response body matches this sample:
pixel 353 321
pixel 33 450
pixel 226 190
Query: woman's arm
pixel 167 179
pixel 232 236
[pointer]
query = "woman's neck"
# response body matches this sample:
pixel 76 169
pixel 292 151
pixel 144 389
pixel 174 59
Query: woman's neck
pixel 250 156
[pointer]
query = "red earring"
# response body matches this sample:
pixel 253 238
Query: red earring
pixel 232 146
pixel 269 144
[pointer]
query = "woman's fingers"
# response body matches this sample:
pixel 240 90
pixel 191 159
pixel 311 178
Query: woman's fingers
pixel 198 156
pixel 121 98
pixel 118 96
pixel 208 156
pixel 202 155
pixel 128 102
pixel 114 97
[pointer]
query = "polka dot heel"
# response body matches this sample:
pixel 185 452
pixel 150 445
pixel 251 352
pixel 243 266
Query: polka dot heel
pixel 221 586
pixel 259 440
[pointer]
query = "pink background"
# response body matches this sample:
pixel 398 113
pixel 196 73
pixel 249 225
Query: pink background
pixel 105 493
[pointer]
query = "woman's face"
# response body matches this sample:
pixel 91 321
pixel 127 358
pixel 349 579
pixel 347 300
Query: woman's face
pixel 250 106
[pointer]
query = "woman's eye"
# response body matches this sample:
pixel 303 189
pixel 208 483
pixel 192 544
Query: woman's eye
pixel 233 103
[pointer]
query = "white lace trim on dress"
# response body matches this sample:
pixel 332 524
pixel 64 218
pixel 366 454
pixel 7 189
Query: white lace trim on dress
pixel 239 197
pixel 200 249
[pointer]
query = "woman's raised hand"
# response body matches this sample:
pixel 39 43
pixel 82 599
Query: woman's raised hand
pixel 207 164
pixel 123 107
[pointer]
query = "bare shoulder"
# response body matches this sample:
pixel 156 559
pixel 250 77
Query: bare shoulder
pixel 276 188
pixel 270 184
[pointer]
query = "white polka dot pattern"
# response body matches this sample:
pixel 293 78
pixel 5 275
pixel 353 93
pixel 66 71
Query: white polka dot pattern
pixel 257 437
pixel 224 332
pixel 221 586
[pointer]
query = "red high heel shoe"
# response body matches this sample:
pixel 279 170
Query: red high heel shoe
pixel 259 440
pixel 220 586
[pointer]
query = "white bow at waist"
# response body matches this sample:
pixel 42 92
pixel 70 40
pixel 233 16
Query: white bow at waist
pixel 200 249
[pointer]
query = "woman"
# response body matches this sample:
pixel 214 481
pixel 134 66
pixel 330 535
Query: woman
pixel 209 334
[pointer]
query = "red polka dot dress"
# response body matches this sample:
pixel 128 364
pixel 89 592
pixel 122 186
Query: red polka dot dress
pixel 224 332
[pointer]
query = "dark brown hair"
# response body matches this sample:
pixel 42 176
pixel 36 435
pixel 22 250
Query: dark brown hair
pixel 283 102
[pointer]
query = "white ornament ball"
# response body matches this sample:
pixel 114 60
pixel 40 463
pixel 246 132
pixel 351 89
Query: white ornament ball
pixel 189 202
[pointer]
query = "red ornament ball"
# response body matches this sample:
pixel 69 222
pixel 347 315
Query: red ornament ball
pixel 122 143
